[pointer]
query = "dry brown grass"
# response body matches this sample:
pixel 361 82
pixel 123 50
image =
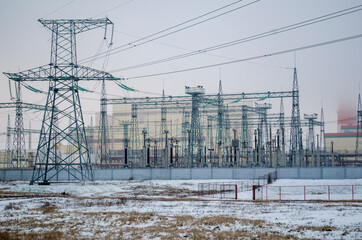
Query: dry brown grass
pixel 103 202
pixel 47 208
pixel 50 235
pixel 325 228
pixel 217 220
pixel 12 206
pixel 165 190
pixel 124 225
pixel 9 194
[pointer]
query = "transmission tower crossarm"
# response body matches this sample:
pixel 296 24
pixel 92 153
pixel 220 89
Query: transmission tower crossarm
pixel 150 100
pixel 22 105
pixel 80 25
pixel 207 98
pixel 262 95
pixel 26 130
pixel 44 73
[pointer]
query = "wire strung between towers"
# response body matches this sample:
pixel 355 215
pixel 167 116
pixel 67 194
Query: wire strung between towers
pixel 252 58
pixel 250 38
pixel 155 36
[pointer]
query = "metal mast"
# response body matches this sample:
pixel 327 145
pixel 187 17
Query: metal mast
pixel 245 143
pixel 18 153
pixel 310 140
pixel 63 101
pixel 210 138
pixel 322 144
pixel 91 143
pixel 196 134
pixel 8 143
pixel 185 127
pixel 282 133
pixel 220 122
pixel 295 133
pixel 134 132
pixel 162 131
pixel 359 125
pixel 103 131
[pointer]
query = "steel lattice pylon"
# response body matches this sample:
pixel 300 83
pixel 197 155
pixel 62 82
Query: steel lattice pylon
pixel 359 124
pixel 18 158
pixel 296 145
pixel 196 134
pixel 63 119
pixel 103 154
pixel 8 140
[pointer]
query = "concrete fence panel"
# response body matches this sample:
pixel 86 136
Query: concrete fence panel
pixel 333 173
pixel 353 173
pixel 193 173
pixel 122 174
pixel 310 173
pixel 161 174
pixel 222 173
pixel 243 173
pixel 201 173
pixel 142 174
pixel 180 173
pixel 288 173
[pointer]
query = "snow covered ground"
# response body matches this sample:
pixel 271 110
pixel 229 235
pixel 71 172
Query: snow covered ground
pixel 169 210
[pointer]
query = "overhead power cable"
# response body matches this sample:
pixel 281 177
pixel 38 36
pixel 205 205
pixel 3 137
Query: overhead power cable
pixel 166 32
pixel 250 38
pixel 252 58
pixel 59 8
pixel 113 8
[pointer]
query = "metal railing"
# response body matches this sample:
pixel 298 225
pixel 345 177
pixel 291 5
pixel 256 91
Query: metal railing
pixel 229 190
pixel 309 192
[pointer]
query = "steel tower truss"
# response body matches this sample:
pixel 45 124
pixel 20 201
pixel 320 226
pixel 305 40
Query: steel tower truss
pixel 103 148
pixel 359 125
pixel 16 155
pixel 196 133
pixel 63 104
pixel 296 145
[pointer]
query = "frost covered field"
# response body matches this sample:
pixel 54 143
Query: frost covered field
pixel 168 210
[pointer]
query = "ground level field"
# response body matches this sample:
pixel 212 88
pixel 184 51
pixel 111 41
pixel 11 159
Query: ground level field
pixel 168 210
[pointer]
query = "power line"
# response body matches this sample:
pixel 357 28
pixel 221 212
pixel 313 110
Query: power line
pixel 113 8
pixel 61 7
pixel 144 39
pixel 252 58
pixel 250 38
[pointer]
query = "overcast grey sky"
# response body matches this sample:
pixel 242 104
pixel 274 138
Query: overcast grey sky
pixel 326 74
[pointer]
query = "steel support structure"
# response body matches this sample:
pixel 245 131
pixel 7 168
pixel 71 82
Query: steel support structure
pixel 296 145
pixel 63 104
pixel 359 125
pixel 196 133
pixel 103 146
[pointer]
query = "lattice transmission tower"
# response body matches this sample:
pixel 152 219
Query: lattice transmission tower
pixel 103 136
pixel 296 145
pixel 63 122
pixel 359 125
pixel 18 153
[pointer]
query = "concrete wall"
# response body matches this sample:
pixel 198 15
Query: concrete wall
pixel 202 173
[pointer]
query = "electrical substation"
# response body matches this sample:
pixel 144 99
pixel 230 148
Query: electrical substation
pixel 195 130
